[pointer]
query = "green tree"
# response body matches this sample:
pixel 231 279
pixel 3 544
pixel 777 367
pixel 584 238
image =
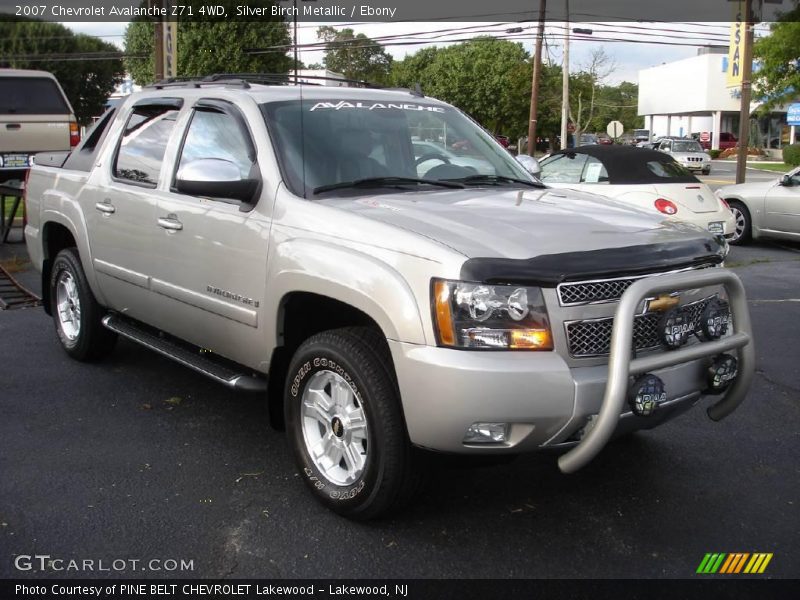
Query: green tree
pixel 617 103
pixel 355 56
pixel 207 47
pixel 87 68
pixel 489 79
pixel 777 79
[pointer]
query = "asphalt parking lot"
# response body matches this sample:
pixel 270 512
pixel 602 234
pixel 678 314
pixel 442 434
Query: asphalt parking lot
pixel 140 458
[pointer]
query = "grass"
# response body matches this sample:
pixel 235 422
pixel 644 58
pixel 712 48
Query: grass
pixel 778 168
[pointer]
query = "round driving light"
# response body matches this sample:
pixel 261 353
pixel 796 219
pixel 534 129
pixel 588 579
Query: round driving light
pixel 715 319
pixel 675 329
pixel 646 393
pixel 722 372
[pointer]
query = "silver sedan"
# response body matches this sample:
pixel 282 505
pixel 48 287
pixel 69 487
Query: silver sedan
pixel 766 208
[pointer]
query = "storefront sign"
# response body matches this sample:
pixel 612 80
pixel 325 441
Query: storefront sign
pixel 793 114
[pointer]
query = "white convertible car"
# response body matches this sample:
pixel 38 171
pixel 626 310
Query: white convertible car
pixel 641 177
pixel 765 208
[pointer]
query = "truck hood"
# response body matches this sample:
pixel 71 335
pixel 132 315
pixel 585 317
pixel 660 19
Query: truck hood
pixel 520 224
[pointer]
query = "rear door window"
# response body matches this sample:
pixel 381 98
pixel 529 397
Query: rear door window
pixel 144 142
pixel 31 96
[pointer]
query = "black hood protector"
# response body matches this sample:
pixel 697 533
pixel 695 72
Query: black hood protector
pixel 551 269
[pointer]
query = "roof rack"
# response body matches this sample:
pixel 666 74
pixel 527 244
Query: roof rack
pixel 243 80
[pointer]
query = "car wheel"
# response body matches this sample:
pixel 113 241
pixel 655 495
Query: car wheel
pixel 75 310
pixel 742 232
pixel 346 426
pixel 707 171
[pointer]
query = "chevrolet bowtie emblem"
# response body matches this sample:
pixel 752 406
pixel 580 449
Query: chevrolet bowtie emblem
pixel 662 304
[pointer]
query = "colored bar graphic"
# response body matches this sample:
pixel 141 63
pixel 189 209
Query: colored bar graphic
pixel 734 563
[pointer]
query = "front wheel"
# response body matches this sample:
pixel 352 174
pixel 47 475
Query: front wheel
pixel 743 230
pixel 75 310
pixel 707 171
pixel 345 424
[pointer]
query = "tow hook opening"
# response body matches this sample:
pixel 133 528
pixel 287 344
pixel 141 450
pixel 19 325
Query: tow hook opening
pixel 646 393
pixel 722 372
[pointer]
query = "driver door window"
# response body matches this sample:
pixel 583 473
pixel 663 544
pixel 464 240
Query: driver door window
pixel 215 134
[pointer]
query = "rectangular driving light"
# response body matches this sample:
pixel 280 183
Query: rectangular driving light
pixel 486 433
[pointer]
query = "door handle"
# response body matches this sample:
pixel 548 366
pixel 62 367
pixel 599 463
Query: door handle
pixel 13 126
pixel 170 223
pixel 105 207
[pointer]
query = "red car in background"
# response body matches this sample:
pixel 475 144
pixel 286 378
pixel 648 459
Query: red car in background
pixel 726 140
pixel 503 139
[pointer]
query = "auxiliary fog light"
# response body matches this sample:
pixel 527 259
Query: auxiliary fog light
pixel 722 372
pixel 646 393
pixel 676 327
pixel 715 320
pixel 486 433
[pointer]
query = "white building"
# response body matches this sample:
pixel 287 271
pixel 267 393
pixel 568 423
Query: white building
pixel 320 77
pixel 691 96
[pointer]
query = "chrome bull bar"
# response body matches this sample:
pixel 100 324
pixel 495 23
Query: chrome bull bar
pixel 621 367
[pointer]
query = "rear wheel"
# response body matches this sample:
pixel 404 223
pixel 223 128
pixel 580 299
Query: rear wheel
pixel 75 310
pixel 345 424
pixel 742 232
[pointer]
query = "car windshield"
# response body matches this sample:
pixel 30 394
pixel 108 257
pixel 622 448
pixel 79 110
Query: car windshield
pixel 324 143
pixel 686 147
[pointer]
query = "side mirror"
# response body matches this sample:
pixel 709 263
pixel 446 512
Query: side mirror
pixel 530 164
pixel 216 178
pixel 786 180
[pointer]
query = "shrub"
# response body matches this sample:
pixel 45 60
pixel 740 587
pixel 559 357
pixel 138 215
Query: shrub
pixel 791 155
pixel 733 152
pixel 714 154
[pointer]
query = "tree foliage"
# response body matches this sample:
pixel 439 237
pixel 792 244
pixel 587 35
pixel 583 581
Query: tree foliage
pixel 487 78
pixel 88 79
pixel 777 78
pixel 355 56
pixel 207 47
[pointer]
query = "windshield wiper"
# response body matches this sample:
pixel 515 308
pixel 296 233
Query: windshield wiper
pixel 496 179
pixel 378 182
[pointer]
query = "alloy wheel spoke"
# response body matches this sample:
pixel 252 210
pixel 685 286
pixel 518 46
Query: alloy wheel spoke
pixel 353 459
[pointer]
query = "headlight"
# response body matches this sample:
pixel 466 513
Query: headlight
pixel 482 316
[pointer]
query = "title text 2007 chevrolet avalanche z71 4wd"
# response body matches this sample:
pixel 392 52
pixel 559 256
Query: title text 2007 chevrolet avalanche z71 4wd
pixel 291 232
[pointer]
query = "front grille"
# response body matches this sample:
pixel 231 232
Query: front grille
pixel 593 337
pixel 585 292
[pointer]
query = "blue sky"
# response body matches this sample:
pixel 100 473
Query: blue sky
pixel 628 57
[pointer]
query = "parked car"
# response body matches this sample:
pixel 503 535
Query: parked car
pixel 765 208
pixel 648 179
pixel 504 140
pixel 726 141
pixel 35 116
pixel 284 241
pixel 688 153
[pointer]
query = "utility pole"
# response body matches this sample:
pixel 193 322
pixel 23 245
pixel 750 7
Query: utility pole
pixel 565 83
pixel 158 57
pixel 747 84
pixel 537 67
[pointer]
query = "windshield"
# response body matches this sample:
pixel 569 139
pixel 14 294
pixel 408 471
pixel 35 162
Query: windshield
pixel 323 143
pixel 686 147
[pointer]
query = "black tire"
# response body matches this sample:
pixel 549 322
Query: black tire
pixel 390 476
pixel 88 340
pixel 707 171
pixel 743 232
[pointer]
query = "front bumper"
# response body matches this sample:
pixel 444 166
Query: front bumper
pixel 550 404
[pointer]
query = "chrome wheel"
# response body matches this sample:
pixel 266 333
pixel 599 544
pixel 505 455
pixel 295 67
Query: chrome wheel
pixel 68 305
pixel 741 224
pixel 334 428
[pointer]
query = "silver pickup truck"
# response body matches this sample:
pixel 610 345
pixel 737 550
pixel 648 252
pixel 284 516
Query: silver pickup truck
pixel 283 240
